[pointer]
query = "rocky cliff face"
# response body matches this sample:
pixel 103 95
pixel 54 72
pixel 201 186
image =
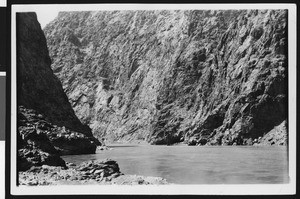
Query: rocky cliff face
pixel 47 124
pixel 203 77
pixel 38 88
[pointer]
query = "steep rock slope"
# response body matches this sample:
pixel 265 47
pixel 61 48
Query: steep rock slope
pixel 47 125
pixel 38 88
pixel 204 77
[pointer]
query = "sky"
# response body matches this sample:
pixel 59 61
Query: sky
pixel 45 16
pixel 45 13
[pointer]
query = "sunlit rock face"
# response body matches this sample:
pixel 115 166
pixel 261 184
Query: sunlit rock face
pixel 201 77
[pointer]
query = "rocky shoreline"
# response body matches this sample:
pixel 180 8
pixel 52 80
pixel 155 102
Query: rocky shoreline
pixel 104 172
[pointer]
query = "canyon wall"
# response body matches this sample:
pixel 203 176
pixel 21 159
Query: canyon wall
pixel 38 88
pixel 47 124
pixel 215 77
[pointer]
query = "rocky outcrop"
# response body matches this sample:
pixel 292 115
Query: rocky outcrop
pixel 277 136
pixel 35 149
pixel 91 172
pixel 47 125
pixel 33 127
pixel 205 77
pixel 34 146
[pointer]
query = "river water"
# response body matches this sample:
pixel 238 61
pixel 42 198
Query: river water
pixel 199 165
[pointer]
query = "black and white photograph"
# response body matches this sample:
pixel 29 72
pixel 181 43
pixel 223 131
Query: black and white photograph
pixel 153 99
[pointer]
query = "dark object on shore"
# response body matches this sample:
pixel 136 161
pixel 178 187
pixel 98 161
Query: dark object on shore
pixel 29 158
pixel 95 169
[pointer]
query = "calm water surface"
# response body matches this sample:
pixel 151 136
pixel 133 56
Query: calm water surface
pixel 198 165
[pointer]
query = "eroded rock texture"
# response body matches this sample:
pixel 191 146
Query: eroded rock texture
pixel 65 141
pixel 38 88
pixel 203 77
pixel 34 145
pixel 47 125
